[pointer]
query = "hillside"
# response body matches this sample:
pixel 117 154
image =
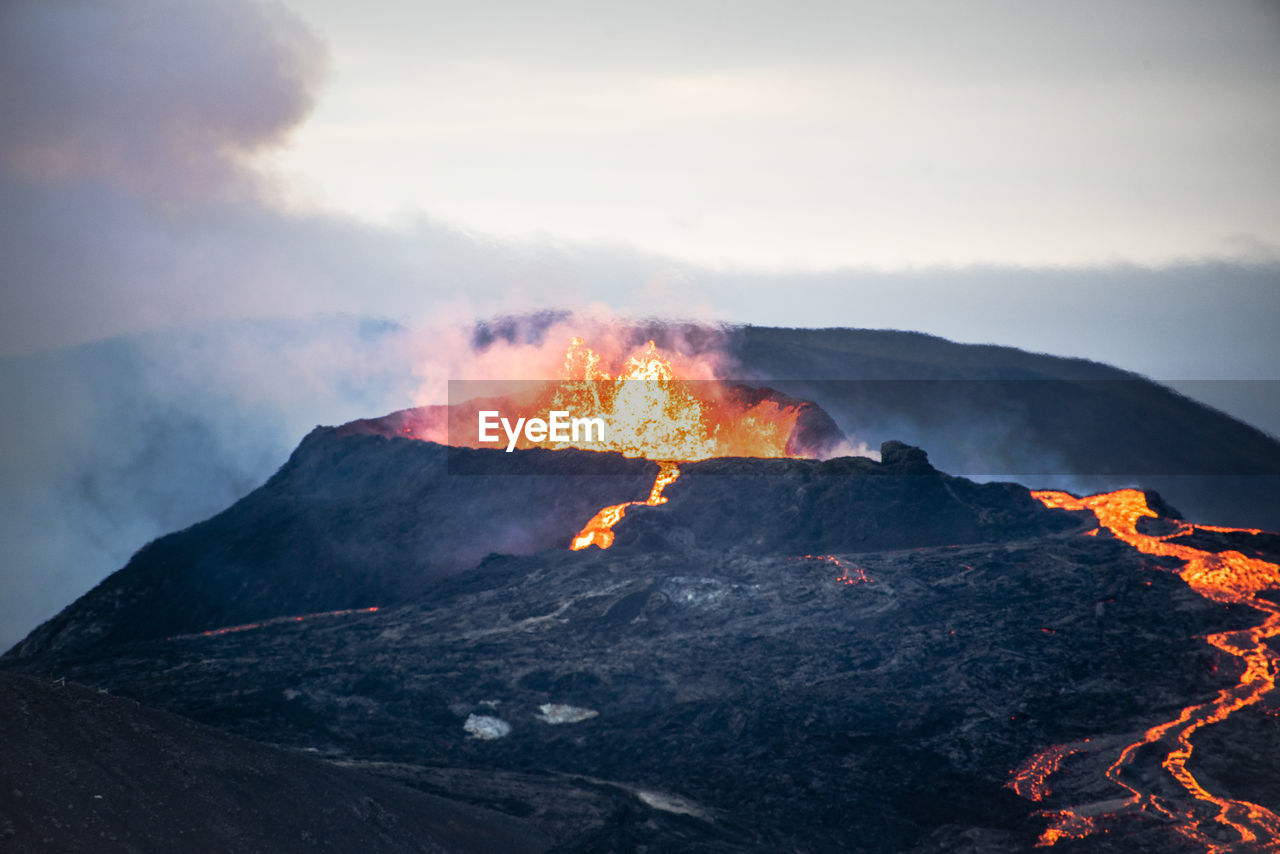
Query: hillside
pixel 85 772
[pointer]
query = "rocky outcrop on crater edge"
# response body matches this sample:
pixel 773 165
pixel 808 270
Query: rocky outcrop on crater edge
pixel 845 505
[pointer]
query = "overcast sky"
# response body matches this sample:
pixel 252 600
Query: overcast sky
pixel 943 165
pixel 812 134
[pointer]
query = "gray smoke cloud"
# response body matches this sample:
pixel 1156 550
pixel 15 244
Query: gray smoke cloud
pixel 109 445
pixel 128 133
pixel 165 98
pixel 136 195
pixel 133 202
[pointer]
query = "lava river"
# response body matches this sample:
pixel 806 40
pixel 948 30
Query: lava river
pixel 1203 817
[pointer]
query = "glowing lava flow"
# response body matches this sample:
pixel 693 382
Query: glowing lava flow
pixel 599 531
pixel 1031 779
pixel 652 414
pixel 1228 577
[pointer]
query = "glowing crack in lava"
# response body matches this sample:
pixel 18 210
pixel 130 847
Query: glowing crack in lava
pixel 1031 779
pixel 1228 577
pixel 859 575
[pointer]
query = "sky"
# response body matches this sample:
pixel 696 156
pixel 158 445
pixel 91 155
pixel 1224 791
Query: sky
pixel 924 165
pixel 813 135
pixel 1095 179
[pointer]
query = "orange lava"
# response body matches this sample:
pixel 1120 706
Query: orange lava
pixel 652 414
pixel 599 531
pixel 649 409
pixel 859 575
pixel 1228 577
pixel 1067 825
pixel 1031 779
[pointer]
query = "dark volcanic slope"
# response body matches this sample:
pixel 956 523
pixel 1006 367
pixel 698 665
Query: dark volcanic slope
pixel 347 522
pixel 84 772
pixel 788 655
pixel 355 521
pixel 736 702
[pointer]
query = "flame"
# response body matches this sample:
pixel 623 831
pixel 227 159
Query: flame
pixel 651 408
pixel 1228 577
pixel 652 414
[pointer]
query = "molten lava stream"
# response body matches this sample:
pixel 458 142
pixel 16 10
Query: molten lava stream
pixel 599 531
pixel 1228 577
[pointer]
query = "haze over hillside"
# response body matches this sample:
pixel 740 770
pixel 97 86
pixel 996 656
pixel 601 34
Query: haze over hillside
pixel 111 445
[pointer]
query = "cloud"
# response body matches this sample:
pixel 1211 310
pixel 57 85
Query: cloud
pixel 165 98
pixel 134 151
pixel 106 446
pixel 127 160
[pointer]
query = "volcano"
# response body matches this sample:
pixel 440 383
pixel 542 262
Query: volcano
pixel 801 651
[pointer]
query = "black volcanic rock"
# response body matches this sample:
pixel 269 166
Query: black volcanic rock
pixel 348 521
pixel 730 702
pixel 786 655
pixel 360 520
pixel 85 772
pixel 847 505
pixel 905 459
